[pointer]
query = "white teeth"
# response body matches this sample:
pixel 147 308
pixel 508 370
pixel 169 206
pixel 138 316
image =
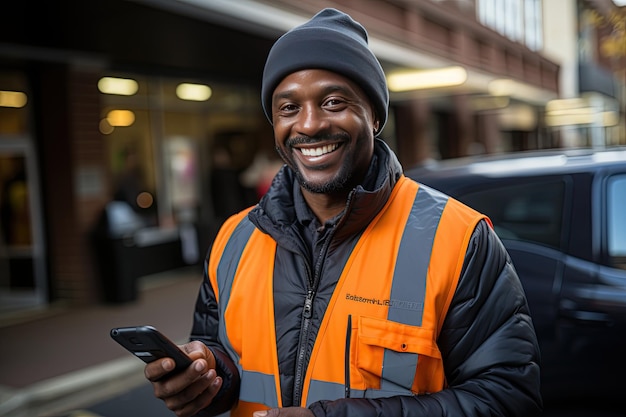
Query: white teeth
pixel 319 151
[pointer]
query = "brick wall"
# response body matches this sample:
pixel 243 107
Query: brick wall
pixel 75 181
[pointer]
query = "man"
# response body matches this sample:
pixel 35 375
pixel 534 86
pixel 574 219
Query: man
pixel 351 290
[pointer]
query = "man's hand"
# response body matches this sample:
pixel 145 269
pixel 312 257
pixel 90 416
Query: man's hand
pixel 285 412
pixel 190 391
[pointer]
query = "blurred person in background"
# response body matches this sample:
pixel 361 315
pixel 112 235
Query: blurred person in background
pixel 131 187
pixel 349 289
pixel 130 181
pixel 260 174
pixel 227 193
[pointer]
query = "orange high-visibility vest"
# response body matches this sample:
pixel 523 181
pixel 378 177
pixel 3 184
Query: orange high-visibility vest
pixel 378 335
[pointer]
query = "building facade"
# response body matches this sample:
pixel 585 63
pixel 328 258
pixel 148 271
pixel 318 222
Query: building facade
pixel 96 105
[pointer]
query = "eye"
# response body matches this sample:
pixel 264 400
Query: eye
pixel 334 103
pixel 288 108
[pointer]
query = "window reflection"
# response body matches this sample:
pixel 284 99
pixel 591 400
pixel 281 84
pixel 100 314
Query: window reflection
pixel 616 225
pixel 525 211
pixel 165 157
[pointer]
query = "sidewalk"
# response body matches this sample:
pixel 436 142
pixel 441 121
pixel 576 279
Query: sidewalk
pixel 63 358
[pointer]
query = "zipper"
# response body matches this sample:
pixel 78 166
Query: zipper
pixel 347 358
pixel 301 363
pixel 307 311
pixel 305 327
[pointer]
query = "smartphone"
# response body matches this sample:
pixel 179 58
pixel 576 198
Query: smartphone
pixel 148 344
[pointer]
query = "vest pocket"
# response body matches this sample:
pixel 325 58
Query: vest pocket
pixel 395 358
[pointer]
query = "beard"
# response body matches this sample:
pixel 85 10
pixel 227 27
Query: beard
pixel 342 181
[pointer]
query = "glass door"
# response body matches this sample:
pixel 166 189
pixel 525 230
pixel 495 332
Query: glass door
pixel 22 272
pixel 23 281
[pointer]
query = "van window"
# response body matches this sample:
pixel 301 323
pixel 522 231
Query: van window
pixel 529 211
pixel 616 221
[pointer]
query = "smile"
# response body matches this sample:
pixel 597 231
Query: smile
pixel 319 151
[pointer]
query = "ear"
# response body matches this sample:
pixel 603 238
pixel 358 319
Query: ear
pixel 376 124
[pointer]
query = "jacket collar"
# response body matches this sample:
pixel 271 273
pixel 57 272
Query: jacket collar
pixel 276 212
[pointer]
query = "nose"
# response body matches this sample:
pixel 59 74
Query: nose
pixel 312 120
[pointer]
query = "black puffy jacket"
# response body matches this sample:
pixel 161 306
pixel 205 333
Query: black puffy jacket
pixel 488 343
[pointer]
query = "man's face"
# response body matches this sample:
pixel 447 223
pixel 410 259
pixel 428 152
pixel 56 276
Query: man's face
pixel 323 129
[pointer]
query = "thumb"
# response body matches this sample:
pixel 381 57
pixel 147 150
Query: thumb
pixel 259 414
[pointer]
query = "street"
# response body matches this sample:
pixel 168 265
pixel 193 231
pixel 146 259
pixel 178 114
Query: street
pixel 138 401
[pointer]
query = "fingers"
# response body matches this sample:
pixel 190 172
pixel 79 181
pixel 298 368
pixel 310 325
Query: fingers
pixel 158 369
pixel 190 391
pixel 197 396
pixel 170 385
pixel 198 350
pixel 195 350
pixel 187 392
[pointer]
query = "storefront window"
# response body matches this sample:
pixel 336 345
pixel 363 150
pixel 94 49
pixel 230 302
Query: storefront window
pixel 176 141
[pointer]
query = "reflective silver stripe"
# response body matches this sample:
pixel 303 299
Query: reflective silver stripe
pixel 381 393
pixel 409 282
pixel 397 368
pixel 226 269
pixel 230 258
pixel 324 390
pixel 258 388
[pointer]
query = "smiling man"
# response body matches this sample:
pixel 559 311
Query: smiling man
pixel 323 125
pixel 349 289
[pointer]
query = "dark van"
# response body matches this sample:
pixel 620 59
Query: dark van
pixel 562 217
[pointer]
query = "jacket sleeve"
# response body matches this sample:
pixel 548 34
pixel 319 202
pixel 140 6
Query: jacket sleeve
pixel 488 345
pixel 204 329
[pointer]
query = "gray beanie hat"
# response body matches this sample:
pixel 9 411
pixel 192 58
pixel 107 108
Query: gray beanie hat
pixel 333 41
